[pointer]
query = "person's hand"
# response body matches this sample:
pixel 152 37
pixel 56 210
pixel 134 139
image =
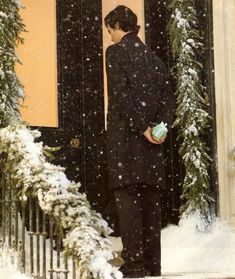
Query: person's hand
pixel 151 138
pixel 162 139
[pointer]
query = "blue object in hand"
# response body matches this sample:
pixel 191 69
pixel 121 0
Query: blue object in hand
pixel 159 130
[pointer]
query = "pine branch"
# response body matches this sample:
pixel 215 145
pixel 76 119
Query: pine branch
pixel 192 117
pixel 11 90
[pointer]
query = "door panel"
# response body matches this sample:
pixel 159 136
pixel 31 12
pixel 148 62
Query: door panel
pixel 69 91
pixel 156 19
pixel 80 90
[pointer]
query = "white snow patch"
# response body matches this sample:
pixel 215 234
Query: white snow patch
pixel 2 14
pixel 9 266
pixel 186 250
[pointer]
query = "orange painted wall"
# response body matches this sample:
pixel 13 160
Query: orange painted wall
pixel 38 73
pixel 137 6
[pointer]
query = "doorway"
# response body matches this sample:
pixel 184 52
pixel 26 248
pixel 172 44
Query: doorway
pixel 80 93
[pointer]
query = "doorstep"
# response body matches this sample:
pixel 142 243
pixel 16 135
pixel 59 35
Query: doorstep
pixel 191 276
pixel 195 276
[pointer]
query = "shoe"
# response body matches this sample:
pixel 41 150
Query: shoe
pixel 132 273
pixel 134 276
pixel 152 273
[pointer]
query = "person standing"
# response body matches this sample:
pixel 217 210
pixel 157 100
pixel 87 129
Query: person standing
pixel 139 97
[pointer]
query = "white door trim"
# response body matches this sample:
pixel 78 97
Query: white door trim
pixel 224 55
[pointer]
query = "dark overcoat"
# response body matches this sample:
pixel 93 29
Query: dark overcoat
pixel 138 97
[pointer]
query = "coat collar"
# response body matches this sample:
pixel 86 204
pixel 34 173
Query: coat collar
pixel 127 36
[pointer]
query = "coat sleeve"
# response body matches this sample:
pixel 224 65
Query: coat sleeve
pixel 133 98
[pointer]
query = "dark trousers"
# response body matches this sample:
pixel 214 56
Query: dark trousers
pixel 139 212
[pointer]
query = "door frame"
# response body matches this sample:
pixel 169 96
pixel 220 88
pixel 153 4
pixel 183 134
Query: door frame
pixel 224 40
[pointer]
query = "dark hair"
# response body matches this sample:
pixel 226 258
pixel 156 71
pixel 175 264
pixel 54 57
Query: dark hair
pixel 124 16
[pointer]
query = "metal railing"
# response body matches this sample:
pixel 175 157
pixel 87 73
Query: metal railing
pixel 33 235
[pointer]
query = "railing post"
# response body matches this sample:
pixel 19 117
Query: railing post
pixel 16 229
pixel 51 270
pixel 44 233
pixel 37 241
pixel 3 206
pixel 10 203
pixel 23 238
pixel 31 233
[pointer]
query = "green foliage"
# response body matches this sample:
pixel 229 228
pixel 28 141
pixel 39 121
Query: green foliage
pixel 10 87
pixel 192 118
pixel 49 152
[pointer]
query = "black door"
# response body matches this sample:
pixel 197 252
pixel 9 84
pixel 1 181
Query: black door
pixel 81 132
pixel 156 19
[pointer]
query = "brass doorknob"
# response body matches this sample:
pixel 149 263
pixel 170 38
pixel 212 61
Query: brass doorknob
pixel 75 143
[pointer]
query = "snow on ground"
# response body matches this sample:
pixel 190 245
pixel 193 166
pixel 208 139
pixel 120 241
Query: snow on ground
pixel 186 253
pixel 9 267
pixel 186 250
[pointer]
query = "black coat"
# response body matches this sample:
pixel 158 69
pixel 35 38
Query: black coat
pixel 138 97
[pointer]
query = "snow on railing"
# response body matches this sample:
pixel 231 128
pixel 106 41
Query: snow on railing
pixel 37 196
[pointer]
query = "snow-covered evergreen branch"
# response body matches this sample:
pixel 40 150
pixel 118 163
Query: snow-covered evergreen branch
pixel 10 87
pixel 85 230
pixel 192 106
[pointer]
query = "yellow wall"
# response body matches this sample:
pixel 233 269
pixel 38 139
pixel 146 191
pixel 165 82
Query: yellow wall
pixel 137 7
pixel 38 73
